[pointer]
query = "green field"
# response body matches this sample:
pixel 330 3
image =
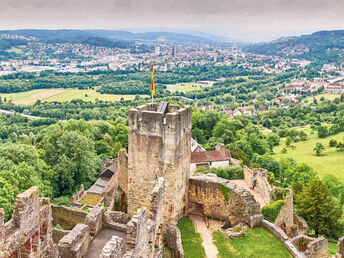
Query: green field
pixel 186 86
pixel 191 241
pixel 330 161
pixel 30 97
pixel 258 242
pixel 327 96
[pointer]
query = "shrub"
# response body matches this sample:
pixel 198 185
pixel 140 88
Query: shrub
pixel 271 211
pixel 333 143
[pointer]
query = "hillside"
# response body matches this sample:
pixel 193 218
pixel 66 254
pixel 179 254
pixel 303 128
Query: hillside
pixel 327 45
pixel 118 36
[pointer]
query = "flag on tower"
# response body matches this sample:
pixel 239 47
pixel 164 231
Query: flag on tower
pixel 153 87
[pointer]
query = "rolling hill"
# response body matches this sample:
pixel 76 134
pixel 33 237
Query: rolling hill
pixel 326 45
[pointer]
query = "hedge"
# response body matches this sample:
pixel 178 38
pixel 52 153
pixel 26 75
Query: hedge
pixel 272 210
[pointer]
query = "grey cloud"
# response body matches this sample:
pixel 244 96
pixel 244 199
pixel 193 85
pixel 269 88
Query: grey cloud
pixel 228 17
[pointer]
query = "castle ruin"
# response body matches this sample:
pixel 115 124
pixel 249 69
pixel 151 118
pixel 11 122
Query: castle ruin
pixel 140 197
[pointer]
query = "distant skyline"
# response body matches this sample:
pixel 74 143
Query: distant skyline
pixel 247 20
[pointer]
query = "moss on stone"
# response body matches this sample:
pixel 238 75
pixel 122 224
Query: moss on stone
pixel 225 192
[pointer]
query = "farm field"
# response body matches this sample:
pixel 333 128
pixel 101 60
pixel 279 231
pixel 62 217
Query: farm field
pixel 257 243
pixel 330 161
pixel 327 96
pixel 188 86
pixel 30 97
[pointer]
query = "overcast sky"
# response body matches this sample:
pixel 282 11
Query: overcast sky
pixel 243 19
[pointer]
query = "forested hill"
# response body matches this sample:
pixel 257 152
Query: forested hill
pixel 107 35
pixel 321 45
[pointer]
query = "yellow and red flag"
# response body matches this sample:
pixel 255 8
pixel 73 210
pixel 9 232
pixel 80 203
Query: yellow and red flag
pixel 153 87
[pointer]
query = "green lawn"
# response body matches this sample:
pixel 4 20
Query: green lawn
pixel 330 161
pixel 30 97
pixel 192 242
pixel 328 96
pixel 185 86
pixel 258 242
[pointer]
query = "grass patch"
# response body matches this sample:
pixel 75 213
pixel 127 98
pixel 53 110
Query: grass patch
pixel 327 96
pixel 332 248
pixel 187 86
pixel 330 161
pixel 91 199
pixel 192 242
pixel 258 242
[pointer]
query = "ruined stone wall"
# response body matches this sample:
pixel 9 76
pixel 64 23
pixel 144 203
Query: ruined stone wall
pixel 311 247
pixel 258 180
pixel 159 146
pixel 28 233
pixel 94 219
pixel 144 232
pixel 279 233
pixel 113 248
pixel 66 217
pixel 173 240
pixel 77 195
pixel 221 199
pixel 122 171
pixel 285 218
pixel 76 242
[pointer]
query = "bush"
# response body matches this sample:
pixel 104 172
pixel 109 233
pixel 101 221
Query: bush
pixel 322 131
pixel 271 211
pixel 333 143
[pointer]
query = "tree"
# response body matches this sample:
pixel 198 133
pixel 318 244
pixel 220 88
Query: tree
pixel 322 131
pixel 319 148
pixel 273 140
pixel 72 155
pixel 318 207
pixel 116 147
pixel 288 141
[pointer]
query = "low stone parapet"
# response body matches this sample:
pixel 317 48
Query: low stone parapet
pixel 76 242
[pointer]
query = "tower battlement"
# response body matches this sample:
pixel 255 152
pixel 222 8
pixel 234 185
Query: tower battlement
pixel 148 119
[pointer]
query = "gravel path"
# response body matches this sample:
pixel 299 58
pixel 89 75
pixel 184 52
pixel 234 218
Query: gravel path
pixel 206 235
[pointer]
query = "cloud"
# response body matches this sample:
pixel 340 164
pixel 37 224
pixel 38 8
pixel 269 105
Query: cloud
pixel 244 18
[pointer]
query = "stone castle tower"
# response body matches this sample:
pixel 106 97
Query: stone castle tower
pixel 159 146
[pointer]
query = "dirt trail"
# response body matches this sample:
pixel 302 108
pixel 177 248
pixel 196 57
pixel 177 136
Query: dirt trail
pixel 259 198
pixel 206 235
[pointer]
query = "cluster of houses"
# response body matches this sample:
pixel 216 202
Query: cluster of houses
pixel 332 86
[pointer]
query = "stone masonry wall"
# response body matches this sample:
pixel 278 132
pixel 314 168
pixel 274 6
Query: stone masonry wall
pixel 257 179
pixel 76 242
pixel 28 233
pixel 159 146
pixel 173 240
pixel 67 217
pixel 144 233
pixel 208 191
pixel 123 170
pixel 286 214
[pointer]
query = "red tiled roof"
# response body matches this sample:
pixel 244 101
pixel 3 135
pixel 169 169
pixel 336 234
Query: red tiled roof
pixel 207 156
